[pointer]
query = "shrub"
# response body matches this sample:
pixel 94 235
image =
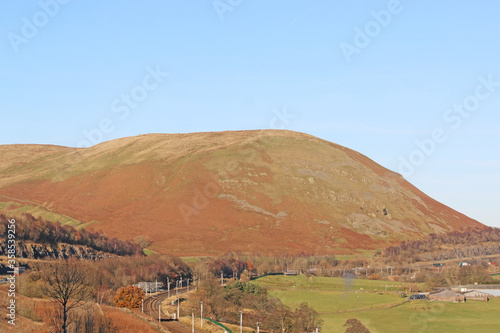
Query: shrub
pixel 355 326
pixel 129 297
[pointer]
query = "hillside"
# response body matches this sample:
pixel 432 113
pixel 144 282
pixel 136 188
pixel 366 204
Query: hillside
pixel 262 191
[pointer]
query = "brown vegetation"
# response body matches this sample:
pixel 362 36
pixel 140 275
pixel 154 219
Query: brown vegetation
pixel 225 303
pixel 69 286
pixel 269 192
pixel 452 245
pixel 37 230
pixel 355 326
pixel 129 297
pixel 71 283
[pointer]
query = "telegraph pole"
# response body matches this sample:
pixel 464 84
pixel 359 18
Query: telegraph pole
pixel 241 321
pixel 201 315
pixel 142 304
pixel 178 312
pixel 192 320
pixel 168 286
pixel 159 312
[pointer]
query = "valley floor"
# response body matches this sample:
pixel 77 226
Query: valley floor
pixel 381 311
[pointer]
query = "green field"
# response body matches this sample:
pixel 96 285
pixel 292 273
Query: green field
pixel 338 300
pixel 11 207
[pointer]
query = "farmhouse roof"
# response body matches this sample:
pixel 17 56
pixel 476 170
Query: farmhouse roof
pixel 475 293
pixel 445 293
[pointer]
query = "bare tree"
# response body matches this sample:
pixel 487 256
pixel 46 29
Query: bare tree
pixel 69 286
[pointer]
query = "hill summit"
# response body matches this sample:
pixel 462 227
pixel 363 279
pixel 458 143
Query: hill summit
pixel 264 191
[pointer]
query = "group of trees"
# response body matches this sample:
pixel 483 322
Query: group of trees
pixel 224 303
pixel 229 266
pixel 38 230
pixel 233 265
pixel 452 245
pixel 72 283
pixel 450 276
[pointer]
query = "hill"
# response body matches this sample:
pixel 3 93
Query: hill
pixel 262 191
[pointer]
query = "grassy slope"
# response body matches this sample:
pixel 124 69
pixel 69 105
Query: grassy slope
pixel 329 298
pixel 276 191
pixel 16 209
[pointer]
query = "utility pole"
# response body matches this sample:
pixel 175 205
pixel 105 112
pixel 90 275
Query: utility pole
pixel 192 320
pixel 201 315
pixel 159 312
pixel 168 286
pixel 221 278
pixel 188 285
pixel 178 312
pixel 142 304
pixel 241 321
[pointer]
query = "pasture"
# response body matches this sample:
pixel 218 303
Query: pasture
pixel 338 299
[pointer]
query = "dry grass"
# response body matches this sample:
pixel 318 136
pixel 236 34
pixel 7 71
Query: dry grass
pixel 272 192
pixel 123 320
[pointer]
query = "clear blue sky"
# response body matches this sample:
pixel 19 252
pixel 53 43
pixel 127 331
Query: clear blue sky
pixel 375 76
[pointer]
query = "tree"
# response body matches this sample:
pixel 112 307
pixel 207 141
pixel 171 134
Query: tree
pixel 306 318
pixel 280 318
pixel 355 326
pixel 129 297
pixel 69 286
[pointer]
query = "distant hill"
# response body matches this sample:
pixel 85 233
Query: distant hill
pixel 265 191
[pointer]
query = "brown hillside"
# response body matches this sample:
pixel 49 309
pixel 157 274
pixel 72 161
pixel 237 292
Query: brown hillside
pixel 206 193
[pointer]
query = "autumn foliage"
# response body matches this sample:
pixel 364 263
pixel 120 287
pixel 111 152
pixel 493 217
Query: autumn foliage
pixel 451 245
pixel 129 297
pixel 355 326
pixel 39 230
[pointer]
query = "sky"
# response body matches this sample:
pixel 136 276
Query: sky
pixel 414 85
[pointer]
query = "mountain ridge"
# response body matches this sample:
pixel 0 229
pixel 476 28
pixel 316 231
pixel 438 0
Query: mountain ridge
pixel 266 191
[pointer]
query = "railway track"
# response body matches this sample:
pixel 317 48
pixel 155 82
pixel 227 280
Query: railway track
pixel 152 308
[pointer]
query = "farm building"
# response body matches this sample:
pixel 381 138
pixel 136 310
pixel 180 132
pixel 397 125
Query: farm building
pixel 491 292
pixel 150 287
pixel 475 295
pixel 447 296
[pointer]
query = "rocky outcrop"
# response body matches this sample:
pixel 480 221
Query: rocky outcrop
pixel 30 250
